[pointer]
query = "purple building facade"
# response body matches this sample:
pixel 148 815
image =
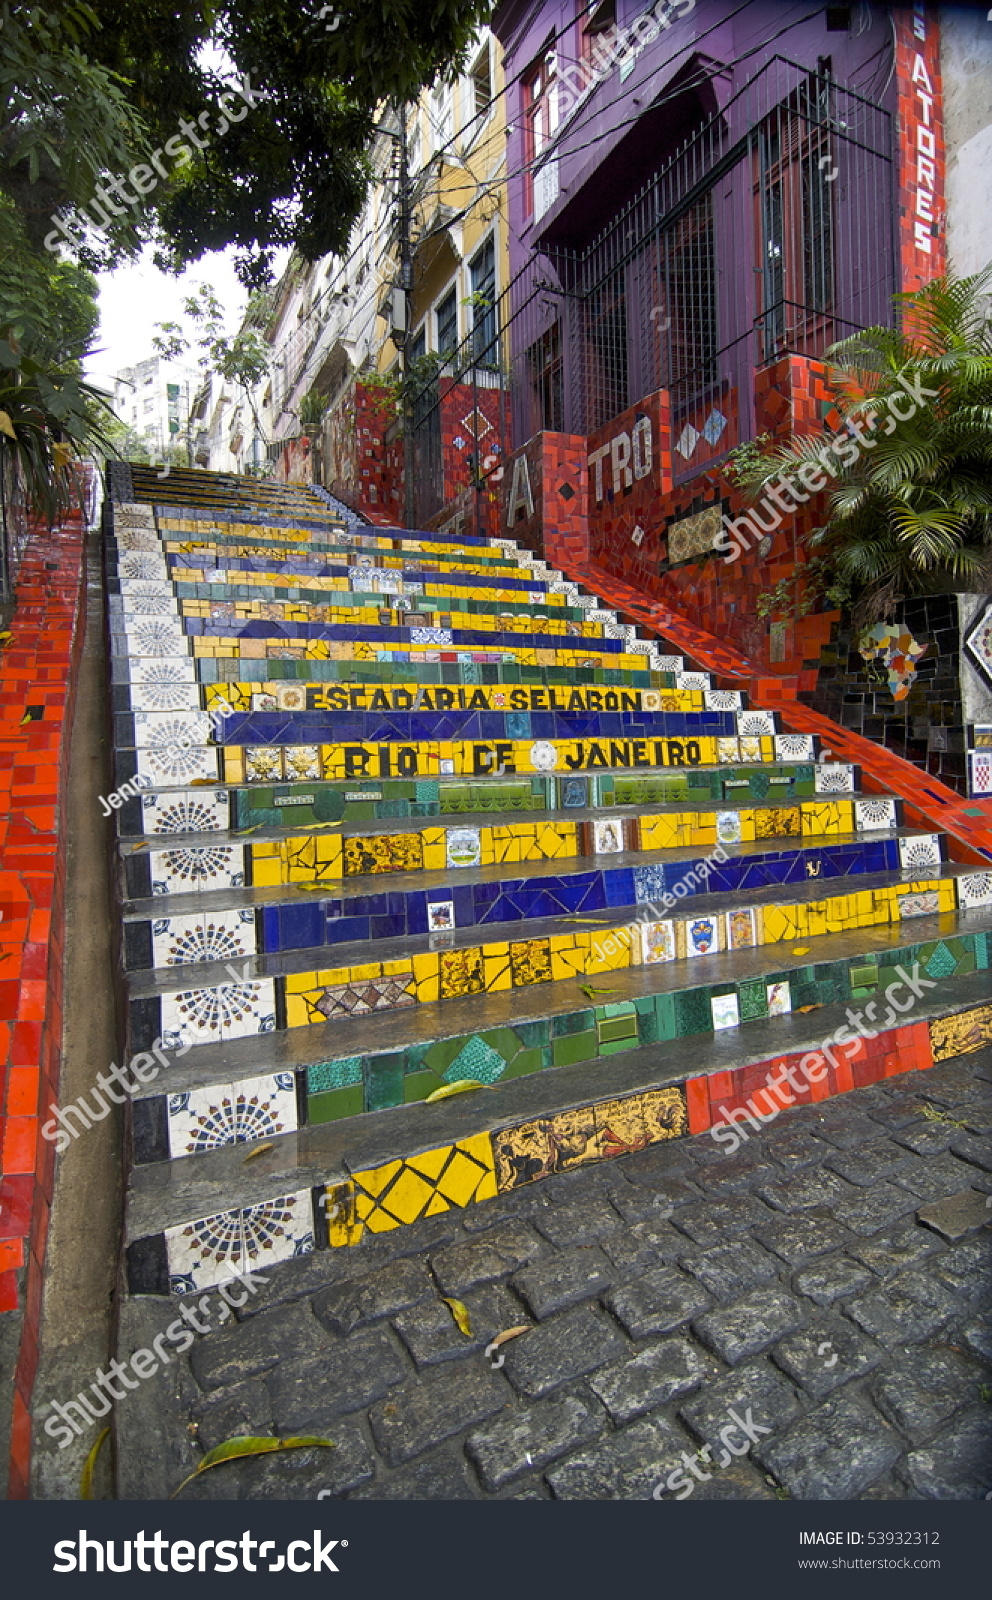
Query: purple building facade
pixel 696 189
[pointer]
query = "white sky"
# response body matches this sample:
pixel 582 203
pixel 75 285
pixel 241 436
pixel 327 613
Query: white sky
pixel 134 298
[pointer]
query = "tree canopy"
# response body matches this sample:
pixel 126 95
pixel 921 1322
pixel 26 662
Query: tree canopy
pixel 282 163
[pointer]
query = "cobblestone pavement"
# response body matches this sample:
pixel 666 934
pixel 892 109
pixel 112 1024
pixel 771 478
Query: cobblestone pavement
pixel 791 1297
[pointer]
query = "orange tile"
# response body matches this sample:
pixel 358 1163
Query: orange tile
pixel 698 1104
pixel 33 996
pixel 20 1138
pixel 11 1254
pixel 22 1092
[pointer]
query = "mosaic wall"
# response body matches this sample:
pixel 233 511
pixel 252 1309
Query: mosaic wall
pixel 925 724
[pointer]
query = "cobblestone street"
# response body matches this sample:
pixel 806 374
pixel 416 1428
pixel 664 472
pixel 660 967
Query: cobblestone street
pixel 817 1299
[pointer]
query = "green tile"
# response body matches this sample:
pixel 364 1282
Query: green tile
pixel 572 1022
pixel 525 1062
pixel 864 977
pixel 692 1012
pixel 476 1059
pixel 533 1034
pixel 617 1028
pixel 418 1085
pixel 753 1000
pixel 335 1104
pixel 608 1048
pixel 574 1047
pixel 665 1017
pixel 385 1082
pixel 325 1075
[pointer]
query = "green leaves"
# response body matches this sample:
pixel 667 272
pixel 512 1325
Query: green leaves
pixel 250 1445
pixel 910 505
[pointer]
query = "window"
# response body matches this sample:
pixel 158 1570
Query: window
pixel 442 115
pixel 599 23
pixel 482 275
pixel 794 202
pixel 481 86
pixel 545 372
pixel 540 90
pixel 415 151
pixel 447 323
pixel 418 344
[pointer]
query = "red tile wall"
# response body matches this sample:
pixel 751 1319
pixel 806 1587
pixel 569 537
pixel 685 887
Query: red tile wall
pixel 38 671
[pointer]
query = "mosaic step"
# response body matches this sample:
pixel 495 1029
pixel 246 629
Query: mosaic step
pixel 187 684
pixel 277 856
pixel 286 726
pixel 178 757
pixel 431 899
pixel 306 949
pixel 153 810
pixel 236 994
pixel 197 1222
pixel 210 1097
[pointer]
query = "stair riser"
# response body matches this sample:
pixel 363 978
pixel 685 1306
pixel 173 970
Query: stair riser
pixel 302 805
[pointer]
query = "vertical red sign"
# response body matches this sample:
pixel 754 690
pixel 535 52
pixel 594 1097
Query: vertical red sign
pixel 921 155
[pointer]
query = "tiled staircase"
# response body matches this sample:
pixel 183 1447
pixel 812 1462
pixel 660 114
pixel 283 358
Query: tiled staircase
pixel 401 813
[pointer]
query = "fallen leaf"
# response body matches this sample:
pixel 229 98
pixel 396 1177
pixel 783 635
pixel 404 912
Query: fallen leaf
pixel 202 783
pixel 588 989
pixel 509 1333
pixel 143 844
pixel 259 1150
pixel 310 888
pixel 814 1007
pixel 239 833
pixel 448 1089
pixel 459 1310
pixel 801 950
pixel 247 1445
pixel 86 1477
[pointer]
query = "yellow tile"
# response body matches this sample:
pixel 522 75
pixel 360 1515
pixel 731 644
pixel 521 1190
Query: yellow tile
pixel 266 874
pixel 776 922
pixel 431 1163
pixel 487 1187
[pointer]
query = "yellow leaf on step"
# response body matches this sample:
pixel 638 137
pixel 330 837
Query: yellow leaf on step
pixel 448 1089
pixel 801 950
pixel 86 1478
pixel 459 1310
